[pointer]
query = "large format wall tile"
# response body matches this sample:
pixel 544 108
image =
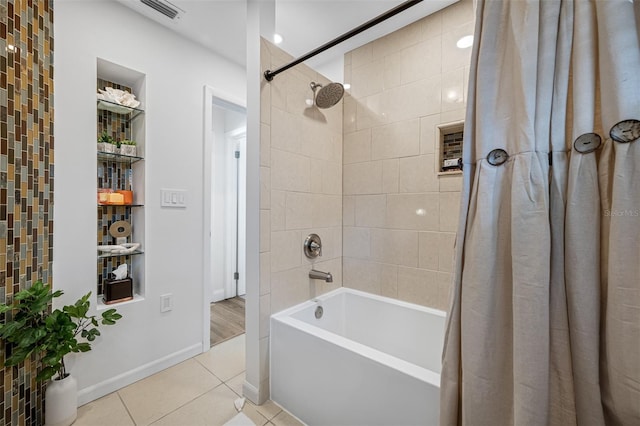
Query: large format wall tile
pixel 362 178
pixel 418 174
pixel 357 146
pixel 371 211
pixel 421 60
pixel 418 286
pixel 395 247
pixel 367 79
pixel 400 215
pixel 357 242
pixel 290 172
pixel 395 140
pixel 301 186
pixel 413 211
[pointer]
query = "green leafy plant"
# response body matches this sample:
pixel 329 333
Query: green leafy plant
pixel 106 138
pixel 50 335
pixel 128 142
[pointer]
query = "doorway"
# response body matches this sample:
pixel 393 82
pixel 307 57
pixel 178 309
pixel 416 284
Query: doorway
pixel 225 176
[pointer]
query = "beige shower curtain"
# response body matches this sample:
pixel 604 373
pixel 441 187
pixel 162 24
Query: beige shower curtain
pixel 544 323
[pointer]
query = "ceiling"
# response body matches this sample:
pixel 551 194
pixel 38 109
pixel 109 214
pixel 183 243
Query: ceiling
pixel 220 25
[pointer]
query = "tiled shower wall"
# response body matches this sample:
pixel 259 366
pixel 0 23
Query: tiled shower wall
pixel 300 190
pixel 400 215
pixel 26 179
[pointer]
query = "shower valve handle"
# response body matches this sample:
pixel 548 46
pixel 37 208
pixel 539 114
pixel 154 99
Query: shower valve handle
pixel 313 246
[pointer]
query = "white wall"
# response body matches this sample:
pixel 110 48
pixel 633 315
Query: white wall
pixel 176 70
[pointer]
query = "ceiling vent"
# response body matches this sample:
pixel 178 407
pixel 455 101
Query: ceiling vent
pixel 164 7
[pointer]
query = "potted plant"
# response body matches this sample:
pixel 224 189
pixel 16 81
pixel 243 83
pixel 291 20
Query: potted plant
pixel 107 144
pixel 29 328
pixel 128 147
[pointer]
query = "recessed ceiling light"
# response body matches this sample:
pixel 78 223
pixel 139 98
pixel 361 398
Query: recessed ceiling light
pixel 277 38
pixel 346 86
pixel 464 42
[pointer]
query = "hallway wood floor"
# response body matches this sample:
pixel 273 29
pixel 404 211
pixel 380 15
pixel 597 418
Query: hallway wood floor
pixel 227 319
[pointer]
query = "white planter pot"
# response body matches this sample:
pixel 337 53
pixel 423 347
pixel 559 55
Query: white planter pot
pixel 107 147
pixel 61 402
pixel 128 150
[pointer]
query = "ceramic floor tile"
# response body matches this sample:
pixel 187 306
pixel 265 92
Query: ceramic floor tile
pixel 285 419
pixel 225 360
pixel 236 383
pixel 154 397
pixel 251 411
pixel 269 409
pixel 213 408
pixel 106 411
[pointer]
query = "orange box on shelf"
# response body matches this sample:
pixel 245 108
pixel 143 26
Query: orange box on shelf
pixel 127 195
pixel 103 195
pixel 109 197
pixel 116 199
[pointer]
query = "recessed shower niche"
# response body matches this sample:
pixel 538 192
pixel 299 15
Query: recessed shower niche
pixel 449 137
pixel 120 133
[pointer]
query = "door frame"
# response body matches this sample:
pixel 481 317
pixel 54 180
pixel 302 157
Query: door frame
pixel 209 94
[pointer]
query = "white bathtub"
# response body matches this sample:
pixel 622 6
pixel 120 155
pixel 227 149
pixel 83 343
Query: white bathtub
pixel 369 360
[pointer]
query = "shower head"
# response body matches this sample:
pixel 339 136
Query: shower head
pixel 328 95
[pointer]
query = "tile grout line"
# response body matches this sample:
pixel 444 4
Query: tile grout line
pixel 209 371
pixel 124 404
pixel 245 403
pixel 246 399
pixel 187 403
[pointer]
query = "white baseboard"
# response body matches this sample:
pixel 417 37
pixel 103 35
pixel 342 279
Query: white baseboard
pixel 112 384
pixel 251 392
pixel 217 295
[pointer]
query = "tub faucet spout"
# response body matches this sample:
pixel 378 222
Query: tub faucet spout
pixel 319 275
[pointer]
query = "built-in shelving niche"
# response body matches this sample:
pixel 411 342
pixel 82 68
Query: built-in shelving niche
pixel 449 137
pixel 121 172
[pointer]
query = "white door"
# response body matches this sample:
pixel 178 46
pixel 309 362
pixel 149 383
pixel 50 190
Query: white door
pixel 228 170
pixel 235 142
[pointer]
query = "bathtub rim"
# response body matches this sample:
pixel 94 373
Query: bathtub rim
pixel 311 302
pixel 375 355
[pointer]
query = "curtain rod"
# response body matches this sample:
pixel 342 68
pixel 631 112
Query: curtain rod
pixel 268 74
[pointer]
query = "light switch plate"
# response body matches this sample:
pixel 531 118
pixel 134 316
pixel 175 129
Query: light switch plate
pixel 176 198
pixel 166 302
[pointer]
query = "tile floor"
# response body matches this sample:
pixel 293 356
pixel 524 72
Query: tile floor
pixel 198 391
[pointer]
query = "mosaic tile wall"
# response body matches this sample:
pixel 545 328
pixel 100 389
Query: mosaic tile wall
pixel 26 180
pixel 106 216
pixel 452 146
pixel 116 125
pixel 114 175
